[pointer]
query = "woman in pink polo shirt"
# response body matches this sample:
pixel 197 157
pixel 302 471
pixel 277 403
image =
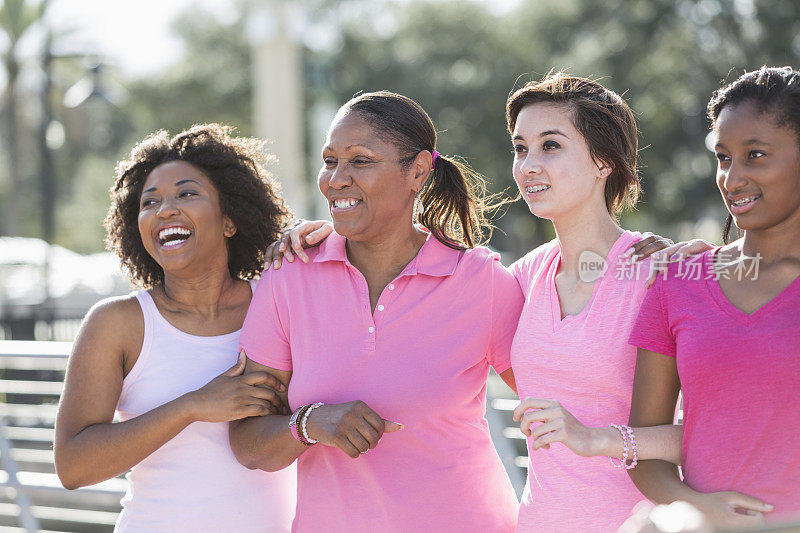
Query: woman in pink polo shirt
pixel 385 340
pixel 724 328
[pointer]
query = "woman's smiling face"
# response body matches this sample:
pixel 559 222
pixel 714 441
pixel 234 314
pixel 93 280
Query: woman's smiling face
pixel 369 190
pixel 758 167
pixel 553 168
pixel 180 220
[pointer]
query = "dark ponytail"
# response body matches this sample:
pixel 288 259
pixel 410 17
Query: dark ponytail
pixel 454 198
pixel 454 201
pixel 775 91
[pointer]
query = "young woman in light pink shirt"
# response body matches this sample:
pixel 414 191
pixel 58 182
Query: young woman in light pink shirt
pixel 724 328
pixel 385 340
pixel 575 145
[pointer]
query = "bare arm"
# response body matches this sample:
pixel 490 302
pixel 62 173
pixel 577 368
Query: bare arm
pixel 266 443
pixel 557 424
pixel 655 393
pixel 89 447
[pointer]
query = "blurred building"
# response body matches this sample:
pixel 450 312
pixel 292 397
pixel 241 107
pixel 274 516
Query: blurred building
pixel 45 290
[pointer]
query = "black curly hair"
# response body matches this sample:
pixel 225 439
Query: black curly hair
pixel 248 195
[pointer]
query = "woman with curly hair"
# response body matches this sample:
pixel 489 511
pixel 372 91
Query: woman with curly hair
pixel 190 219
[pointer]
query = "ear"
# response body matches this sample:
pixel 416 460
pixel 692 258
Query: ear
pixel 230 228
pixel 420 170
pixel 604 168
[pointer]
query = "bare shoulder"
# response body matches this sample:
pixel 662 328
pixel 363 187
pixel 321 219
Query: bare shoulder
pixel 119 313
pixel 113 327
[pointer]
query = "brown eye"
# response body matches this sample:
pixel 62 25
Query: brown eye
pixel 550 145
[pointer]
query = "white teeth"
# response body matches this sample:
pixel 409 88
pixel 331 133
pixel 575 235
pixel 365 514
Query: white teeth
pixel 537 188
pixel 744 201
pixel 345 203
pixel 164 233
pixel 174 243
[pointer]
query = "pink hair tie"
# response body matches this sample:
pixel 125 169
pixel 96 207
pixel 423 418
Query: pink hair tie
pixel 435 154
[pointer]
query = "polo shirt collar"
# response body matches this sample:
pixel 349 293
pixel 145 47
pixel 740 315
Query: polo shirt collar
pixel 433 259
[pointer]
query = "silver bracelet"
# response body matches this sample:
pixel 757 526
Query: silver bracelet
pixel 304 420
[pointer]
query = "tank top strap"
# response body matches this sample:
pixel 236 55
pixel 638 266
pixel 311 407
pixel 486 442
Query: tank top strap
pixel 149 313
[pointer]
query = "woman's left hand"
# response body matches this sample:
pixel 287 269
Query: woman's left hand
pixel 663 252
pixel 556 425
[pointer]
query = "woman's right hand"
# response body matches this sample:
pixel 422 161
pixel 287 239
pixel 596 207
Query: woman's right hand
pixel 232 395
pixel 352 427
pixel 305 234
pixel 731 510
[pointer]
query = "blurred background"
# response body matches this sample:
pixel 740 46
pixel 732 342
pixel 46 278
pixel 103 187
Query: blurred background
pixel 82 81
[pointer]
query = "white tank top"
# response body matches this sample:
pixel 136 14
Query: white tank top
pixel 193 483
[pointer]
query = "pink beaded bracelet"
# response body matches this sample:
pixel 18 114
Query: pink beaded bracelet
pixel 627 433
pixel 622 462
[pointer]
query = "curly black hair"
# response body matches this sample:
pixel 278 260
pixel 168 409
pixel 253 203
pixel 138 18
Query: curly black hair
pixel 248 195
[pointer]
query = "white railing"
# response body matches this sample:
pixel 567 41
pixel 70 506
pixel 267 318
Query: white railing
pixel 31 495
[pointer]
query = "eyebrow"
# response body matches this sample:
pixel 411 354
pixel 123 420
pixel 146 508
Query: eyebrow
pixel 177 183
pixel 543 134
pixel 747 142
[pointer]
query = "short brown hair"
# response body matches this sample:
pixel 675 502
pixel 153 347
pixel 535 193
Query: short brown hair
pixel 602 117
pixel 248 195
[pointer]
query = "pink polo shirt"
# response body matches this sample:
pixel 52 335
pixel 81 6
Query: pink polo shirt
pixel 422 360
pixel 740 378
pixel 585 362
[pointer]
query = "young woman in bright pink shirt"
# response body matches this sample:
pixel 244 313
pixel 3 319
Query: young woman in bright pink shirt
pixel 723 328
pixel 385 340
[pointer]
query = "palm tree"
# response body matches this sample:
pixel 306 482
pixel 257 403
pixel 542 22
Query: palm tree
pixel 16 18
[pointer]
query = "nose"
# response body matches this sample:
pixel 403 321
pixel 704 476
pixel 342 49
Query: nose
pixel 733 177
pixel 530 165
pixel 167 208
pixel 338 178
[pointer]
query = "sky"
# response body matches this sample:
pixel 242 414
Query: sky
pixel 136 36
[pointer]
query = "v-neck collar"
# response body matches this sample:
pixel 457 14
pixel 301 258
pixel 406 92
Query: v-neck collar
pixel 727 306
pixel 555 302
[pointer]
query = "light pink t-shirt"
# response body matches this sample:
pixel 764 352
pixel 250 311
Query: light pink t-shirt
pixel 740 378
pixel 422 360
pixel 585 362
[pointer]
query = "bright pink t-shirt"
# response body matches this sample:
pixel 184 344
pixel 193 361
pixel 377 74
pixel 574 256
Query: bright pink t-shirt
pixel 422 360
pixel 740 378
pixel 585 362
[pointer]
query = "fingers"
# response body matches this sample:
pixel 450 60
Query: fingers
pixel 320 234
pixel 255 409
pixel 694 247
pixel 748 503
pixel 238 368
pixel 545 440
pixel 264 379
pixel 269 255
pixel 532 403
pixel 287 252
pixel 343 443
pixel 279 251
pixel 544 429
pixel 543 415
pixel 267 395
pixel 297 245
pixel 391 427
pixel 647 247
pixel 368 433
